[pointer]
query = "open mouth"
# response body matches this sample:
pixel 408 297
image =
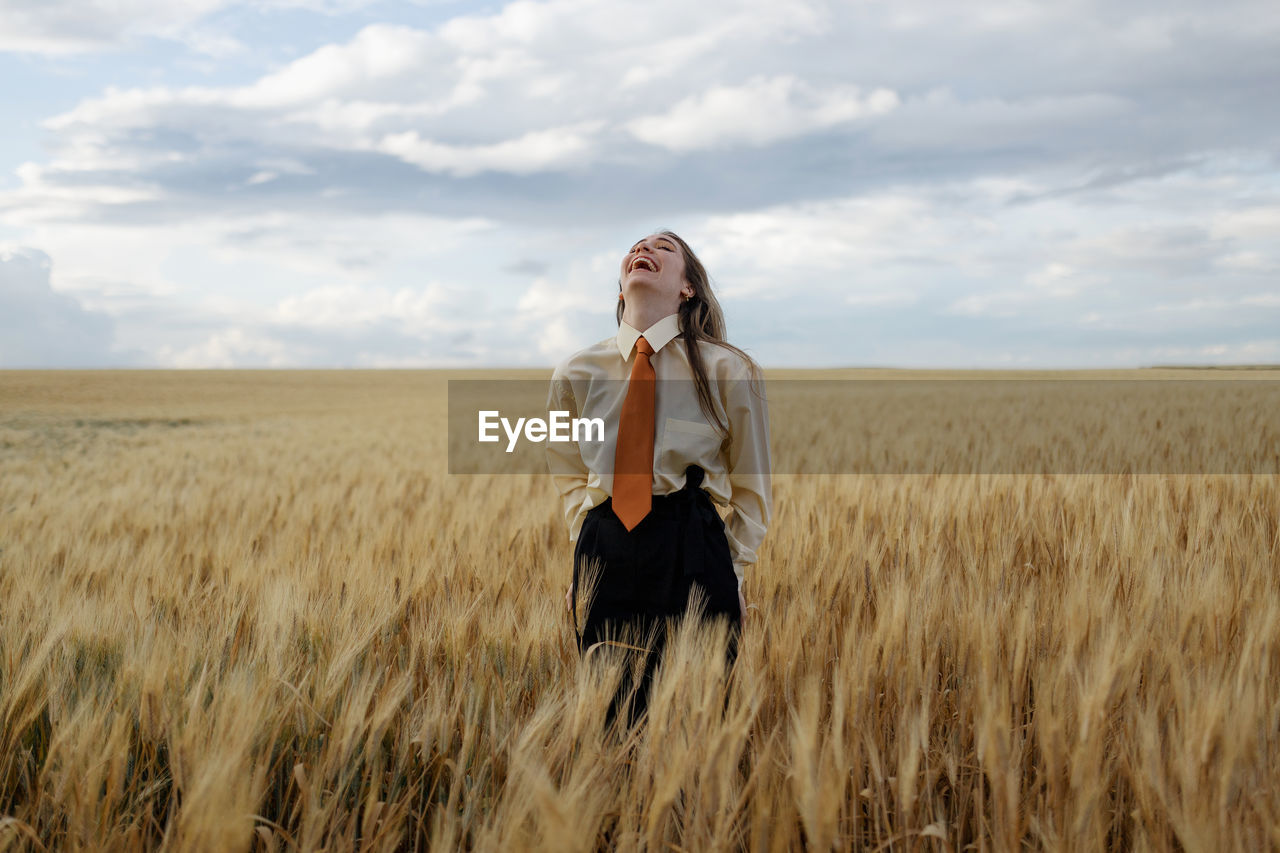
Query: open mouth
pixel 643 263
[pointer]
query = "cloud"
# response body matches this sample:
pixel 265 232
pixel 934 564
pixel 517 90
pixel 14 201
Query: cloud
pixel 348 325
pixel 554 110
pixel 61 27
pixel 40 327
pixel 869 248
pixel 419 310
pixel 566 312
pixel 939 119
pixel 527 267
pixel 67 26
pixel 534 89
pixel 758 112
pixel 378 55
pixel 234 347
pixel 958 263
pixel 536 151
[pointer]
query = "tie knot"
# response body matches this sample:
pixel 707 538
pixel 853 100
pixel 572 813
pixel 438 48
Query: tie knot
pixel 643 347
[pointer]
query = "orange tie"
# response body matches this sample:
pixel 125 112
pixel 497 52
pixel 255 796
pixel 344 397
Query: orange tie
pixel 633 460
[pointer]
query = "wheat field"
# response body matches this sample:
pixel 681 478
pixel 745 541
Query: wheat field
pixel 252 610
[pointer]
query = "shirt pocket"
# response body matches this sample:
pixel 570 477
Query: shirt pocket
pixel 688 443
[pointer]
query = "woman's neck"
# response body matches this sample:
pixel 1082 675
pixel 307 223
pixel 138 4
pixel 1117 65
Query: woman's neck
pixel 640 315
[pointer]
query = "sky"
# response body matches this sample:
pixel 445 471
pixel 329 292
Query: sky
pixel 910 183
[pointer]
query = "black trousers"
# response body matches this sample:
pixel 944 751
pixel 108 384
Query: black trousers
pixel 645 578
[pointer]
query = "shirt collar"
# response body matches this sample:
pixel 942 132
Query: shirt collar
pixel 658 335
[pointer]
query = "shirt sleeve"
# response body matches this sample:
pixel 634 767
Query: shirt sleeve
pixel 564 460
pixel 750 472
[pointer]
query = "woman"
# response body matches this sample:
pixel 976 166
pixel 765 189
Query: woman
pixel 686 425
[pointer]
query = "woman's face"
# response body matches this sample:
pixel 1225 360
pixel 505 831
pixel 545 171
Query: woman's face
pixel 655 264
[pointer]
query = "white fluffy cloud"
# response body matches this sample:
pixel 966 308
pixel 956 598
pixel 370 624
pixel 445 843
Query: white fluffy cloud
pixel 68 26
pixel 758 112
pixel 971 251
pixel 421 310
pixel 938 119
pixel 40 327
pixel 60 27
pixel 536 151
pixel 535 87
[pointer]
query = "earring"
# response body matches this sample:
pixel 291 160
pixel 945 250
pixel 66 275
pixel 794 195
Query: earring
pixel 619 295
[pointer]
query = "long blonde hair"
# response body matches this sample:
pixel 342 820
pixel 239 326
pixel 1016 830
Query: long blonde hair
pixel 701 319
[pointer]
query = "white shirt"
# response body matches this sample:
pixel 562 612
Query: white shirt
pixel 592 383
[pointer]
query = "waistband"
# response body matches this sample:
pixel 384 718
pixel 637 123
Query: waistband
pixel 691 490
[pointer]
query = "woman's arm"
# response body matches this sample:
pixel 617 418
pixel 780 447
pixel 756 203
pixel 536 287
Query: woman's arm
pixel 750 471
pixel 564 460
